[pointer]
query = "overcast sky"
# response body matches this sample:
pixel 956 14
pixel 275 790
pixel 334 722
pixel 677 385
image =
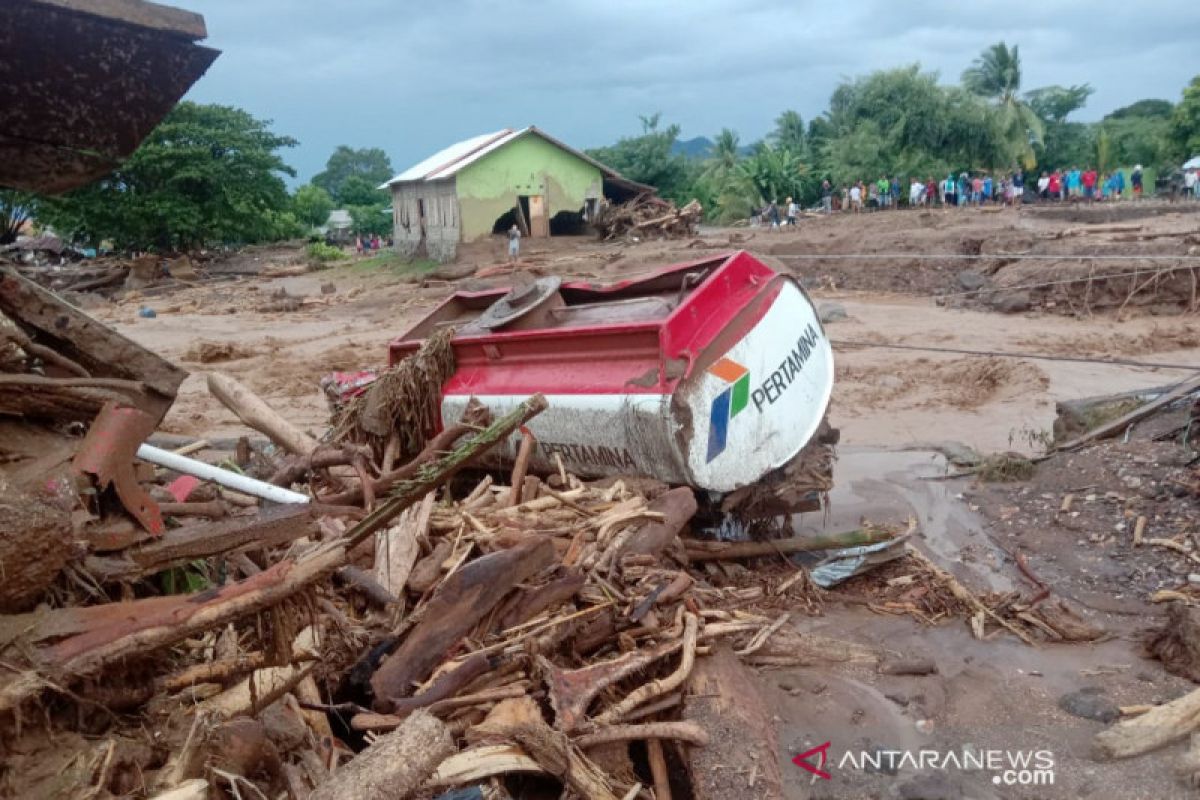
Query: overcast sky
pixel 413 77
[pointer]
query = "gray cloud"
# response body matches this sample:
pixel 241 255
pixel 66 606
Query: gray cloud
pixel 412 77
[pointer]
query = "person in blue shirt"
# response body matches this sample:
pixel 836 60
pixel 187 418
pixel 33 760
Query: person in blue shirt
pixel 987 188
pixel 1119 177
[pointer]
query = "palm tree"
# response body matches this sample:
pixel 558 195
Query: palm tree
pixel 996 74
pixel 789 132
pixel 734 196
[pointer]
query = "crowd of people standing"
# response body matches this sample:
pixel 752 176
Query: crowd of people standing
pixel 958 191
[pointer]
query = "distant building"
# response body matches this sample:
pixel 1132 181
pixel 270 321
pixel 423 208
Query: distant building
pixel 338 225
pixel 485 184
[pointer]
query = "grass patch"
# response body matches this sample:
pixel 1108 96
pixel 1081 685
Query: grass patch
pixel 1005 468
pixel 394 264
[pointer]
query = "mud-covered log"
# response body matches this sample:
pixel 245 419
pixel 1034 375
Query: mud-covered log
pixel 35 542
pixel 723 699
pixel 393 767
pixel 677 507
pixel 460 602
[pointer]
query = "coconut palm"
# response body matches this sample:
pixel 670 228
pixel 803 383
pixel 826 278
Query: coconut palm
pixel 996 74
pixel 734 195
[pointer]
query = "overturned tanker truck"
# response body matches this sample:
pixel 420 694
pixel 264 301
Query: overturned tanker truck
pixel 714 374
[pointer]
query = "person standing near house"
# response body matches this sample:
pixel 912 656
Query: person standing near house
pixel 514 244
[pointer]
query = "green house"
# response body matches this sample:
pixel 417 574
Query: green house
pixel 484 185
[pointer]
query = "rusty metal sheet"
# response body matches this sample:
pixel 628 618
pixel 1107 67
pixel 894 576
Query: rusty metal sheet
pixel 81 85
pixel 108 451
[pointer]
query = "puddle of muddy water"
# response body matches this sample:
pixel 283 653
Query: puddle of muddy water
pixel 889 487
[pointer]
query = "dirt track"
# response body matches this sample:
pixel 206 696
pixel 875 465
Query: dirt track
pixel 892 406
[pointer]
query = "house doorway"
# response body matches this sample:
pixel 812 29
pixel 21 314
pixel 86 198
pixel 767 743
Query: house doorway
pixel 533 207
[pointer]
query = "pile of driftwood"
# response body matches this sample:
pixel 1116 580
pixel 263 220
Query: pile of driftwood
pixel 648 217
pixel 396 626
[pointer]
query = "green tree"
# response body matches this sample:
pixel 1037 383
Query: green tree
pixel 648 159
pixel 729 194
pixel 312 205
pixel 370 164
pixel 1149 108
pixel 1183 133
pixel 16 208
pixel 1056 103
pixel 996 75
pixel 207 173
pixel 367 220
pixel 789 133
pixel 359 191
pixel 776 173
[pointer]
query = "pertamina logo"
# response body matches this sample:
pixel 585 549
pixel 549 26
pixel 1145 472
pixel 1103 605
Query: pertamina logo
pixel 727 404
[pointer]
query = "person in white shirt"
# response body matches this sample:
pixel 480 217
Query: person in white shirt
pixel 1190 182
pixel 793 211
pixel 916 193
pixel 856 198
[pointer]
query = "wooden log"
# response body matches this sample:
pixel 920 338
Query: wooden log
pixel 658 769
pixel 428 571
pixel 677 506
pixel 254 411
pixel 394 766
pixel 458 604
pixel 1156 728
pixel 35 542
pixel 728 551
pixel 1141 412
pixel 126 630
pixel 177 547
pixel 543 598
pixel 520 467
pixel 723 700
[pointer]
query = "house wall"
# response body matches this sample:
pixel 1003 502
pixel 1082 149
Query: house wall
pixel 438 238
pixel 529 165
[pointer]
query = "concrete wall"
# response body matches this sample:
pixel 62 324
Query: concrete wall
pixel 529 165
pixel 438 237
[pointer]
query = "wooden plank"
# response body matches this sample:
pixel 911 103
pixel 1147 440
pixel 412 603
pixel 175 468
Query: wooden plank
pixel 140 13
pixel 1118 425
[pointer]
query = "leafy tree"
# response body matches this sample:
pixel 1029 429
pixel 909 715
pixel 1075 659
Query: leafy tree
pixel 207 173
pixel 1144 108
pixel 1056 103
pixel 16 208
pixel 370 164
pixel 312 205
pixel 729 193
pixel 370 219
pixel 996 75
pixel 649 159
pixel 358 191
pixel 1183 134
pixel 789 133
pixel 776 173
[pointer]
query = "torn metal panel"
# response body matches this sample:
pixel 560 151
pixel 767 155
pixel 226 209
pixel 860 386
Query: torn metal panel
pixel 82 84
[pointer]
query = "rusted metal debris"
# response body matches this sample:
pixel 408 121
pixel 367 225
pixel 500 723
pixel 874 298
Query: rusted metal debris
pixel 82 83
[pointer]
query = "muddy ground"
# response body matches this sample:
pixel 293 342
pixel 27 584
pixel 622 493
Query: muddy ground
pixel 899 410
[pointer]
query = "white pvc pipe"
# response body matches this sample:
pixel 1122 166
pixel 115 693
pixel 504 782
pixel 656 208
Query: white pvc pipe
pixel 242 483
